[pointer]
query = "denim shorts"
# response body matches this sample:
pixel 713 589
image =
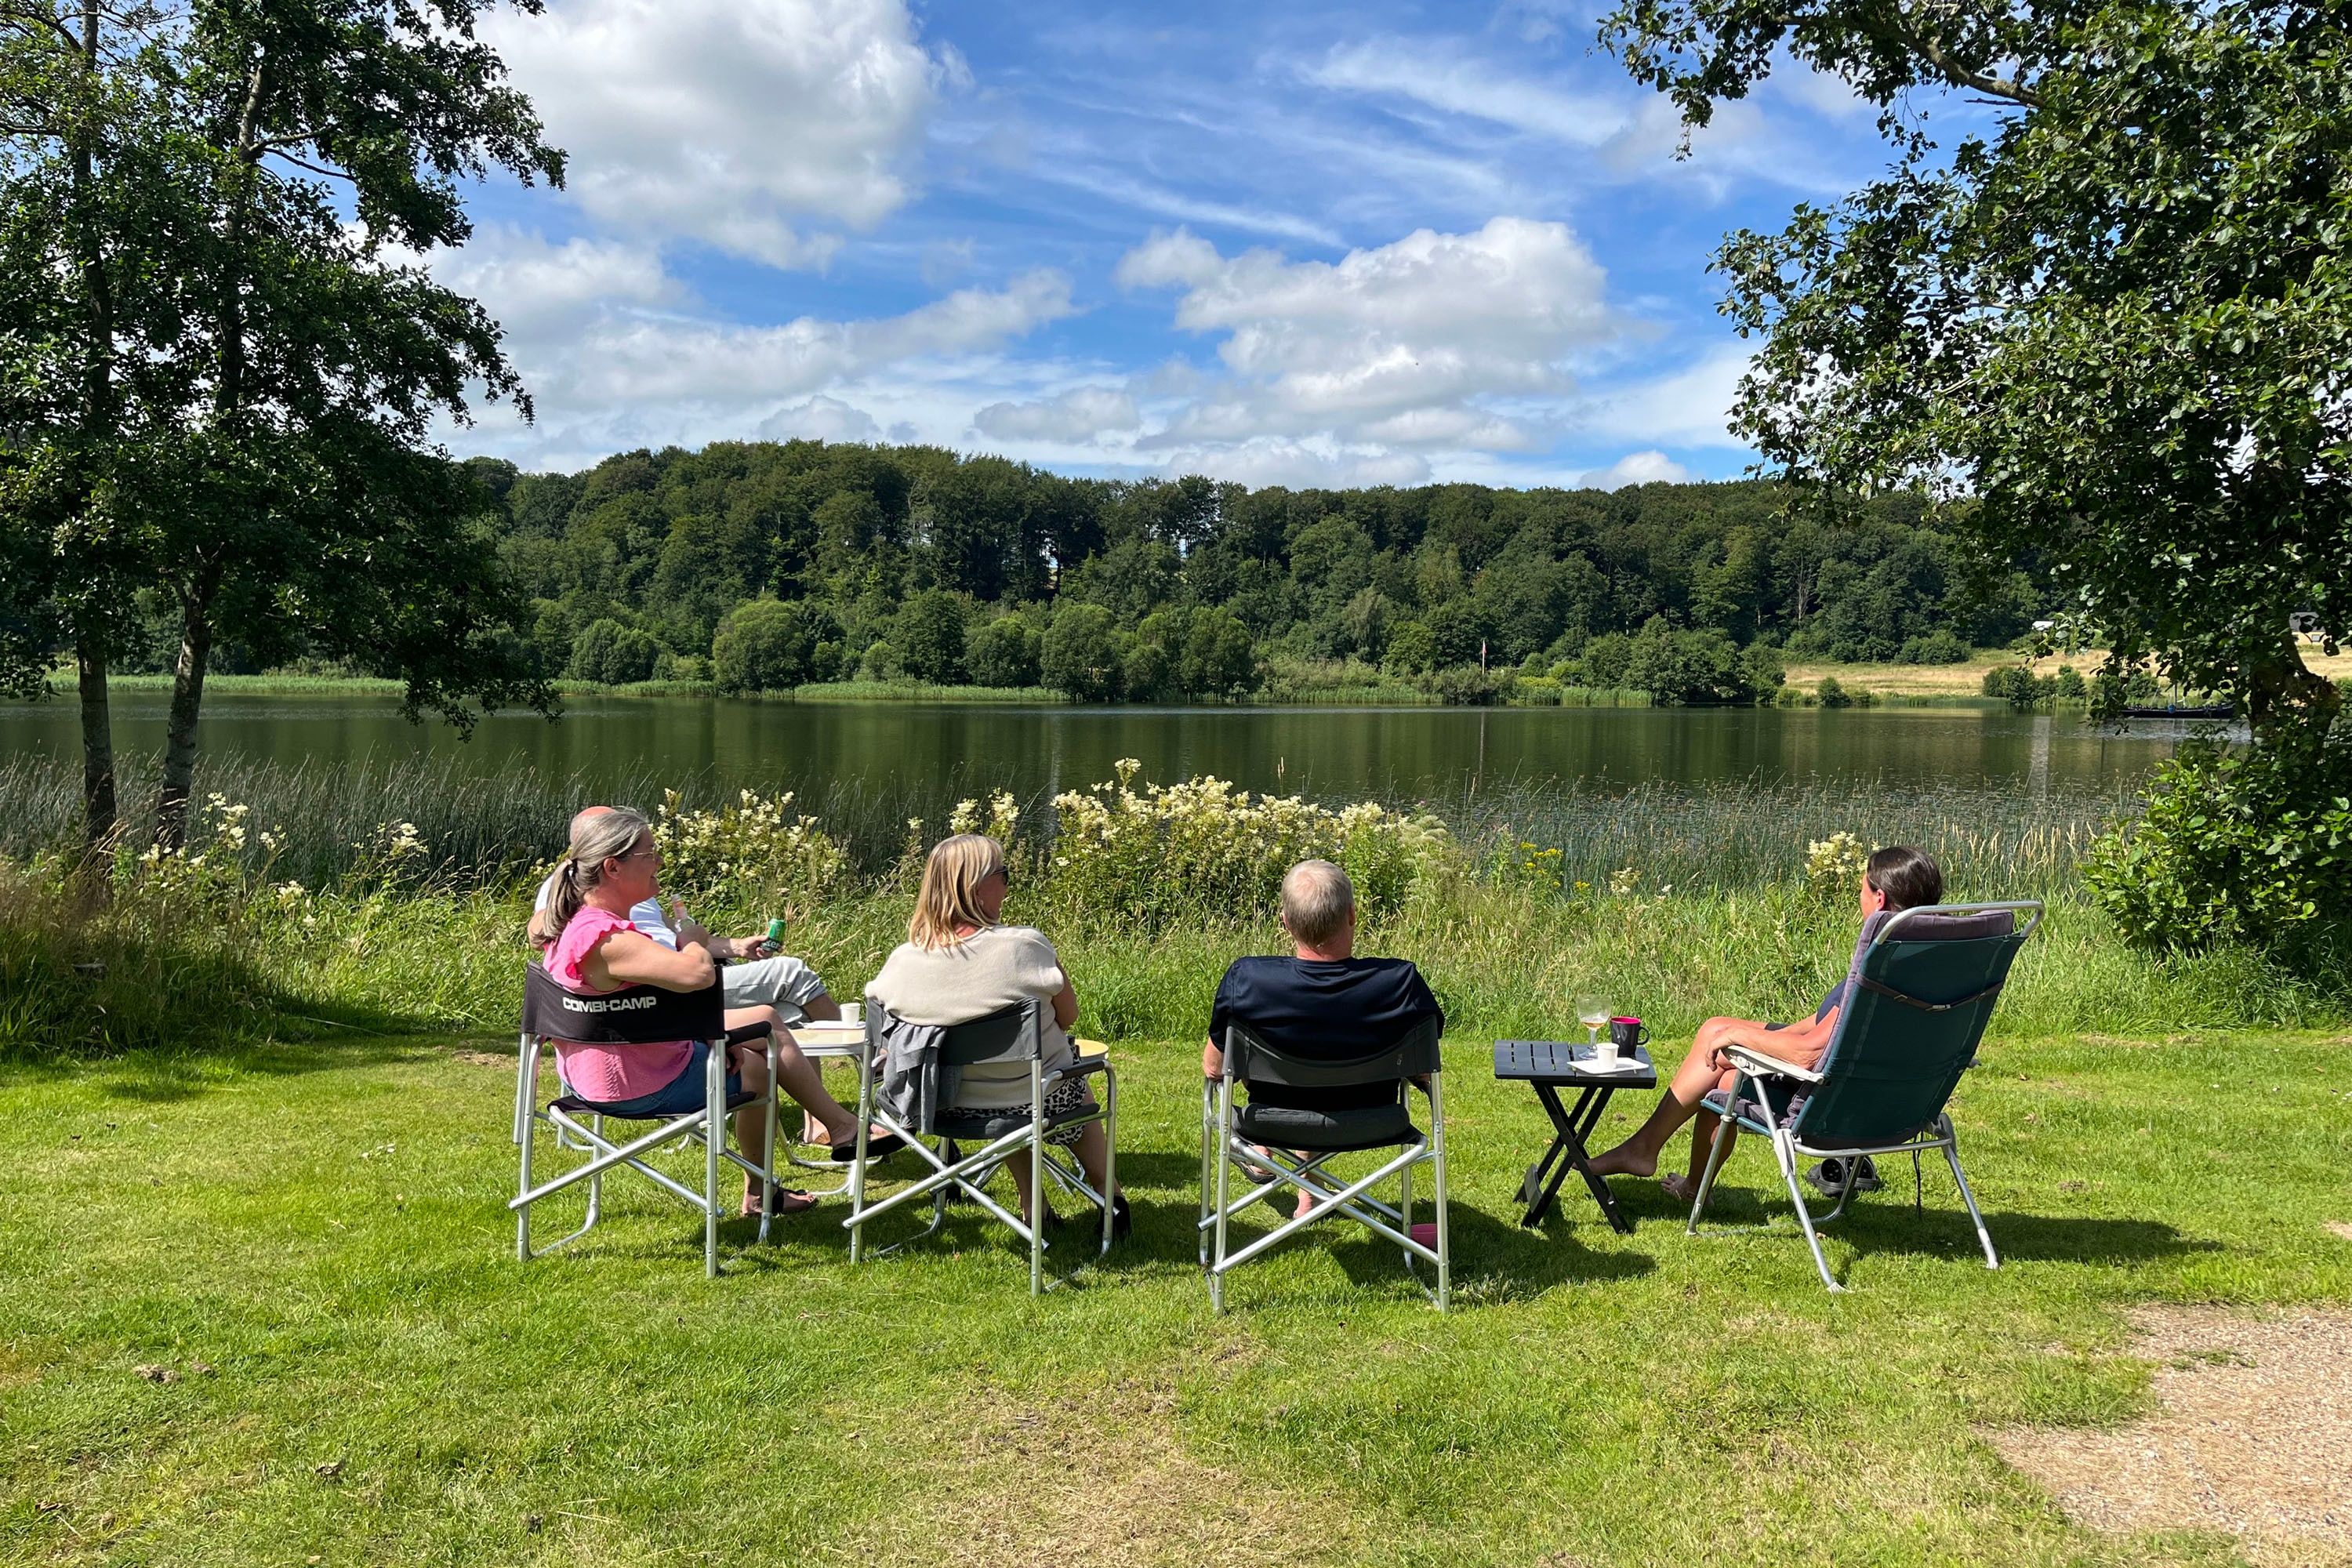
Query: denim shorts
pixel 681 1096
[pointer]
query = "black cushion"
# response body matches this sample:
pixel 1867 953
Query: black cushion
pixel 990 1125
pixel 1293 1127
pixel 573 1105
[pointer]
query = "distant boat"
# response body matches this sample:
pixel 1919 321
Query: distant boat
pixel 2181 711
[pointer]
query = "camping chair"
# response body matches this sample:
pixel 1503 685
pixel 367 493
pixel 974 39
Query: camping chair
pixel 1015 1034
pixel 636 1014
pixel 1919 995
pixel 1316 1137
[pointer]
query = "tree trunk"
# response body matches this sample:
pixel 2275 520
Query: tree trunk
pixel 187 703
pixel 97 752
pixel 2282 695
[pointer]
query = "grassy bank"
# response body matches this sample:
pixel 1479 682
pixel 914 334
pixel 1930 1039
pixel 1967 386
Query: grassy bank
pixel 261 1306
pixel 260 1302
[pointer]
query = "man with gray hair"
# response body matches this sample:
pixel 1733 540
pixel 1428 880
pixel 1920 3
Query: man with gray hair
pixel 1323 1002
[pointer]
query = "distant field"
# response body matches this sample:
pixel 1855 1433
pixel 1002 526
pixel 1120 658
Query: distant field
pixel 1967 679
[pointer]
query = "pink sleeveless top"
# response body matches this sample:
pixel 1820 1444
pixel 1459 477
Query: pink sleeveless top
pixel 607 1074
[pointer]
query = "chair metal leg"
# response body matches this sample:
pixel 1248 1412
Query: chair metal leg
pixel 1208 1176
pixel 1444 1234
pixel 1952 1157
pixel 1110 1154
pixel 1725 1132
pixel 1224 1181
pixel 714 1111
pixel 1036 1177
pixel 522 1211
pixel 1787 1158
pixel 857 1168
pixel 1405 1212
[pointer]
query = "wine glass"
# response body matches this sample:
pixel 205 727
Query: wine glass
pixel 1592 1011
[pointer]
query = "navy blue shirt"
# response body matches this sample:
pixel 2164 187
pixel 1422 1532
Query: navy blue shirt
pixel 1324 1010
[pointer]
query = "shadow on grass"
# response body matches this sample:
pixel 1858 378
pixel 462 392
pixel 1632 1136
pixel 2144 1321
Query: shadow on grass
pixel 1495 1259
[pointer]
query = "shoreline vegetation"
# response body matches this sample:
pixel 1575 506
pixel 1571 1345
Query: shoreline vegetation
pixel 390 898
pixel 1290 683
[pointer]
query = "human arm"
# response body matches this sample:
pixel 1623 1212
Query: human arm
pixel 1065 1005
pixel 632 958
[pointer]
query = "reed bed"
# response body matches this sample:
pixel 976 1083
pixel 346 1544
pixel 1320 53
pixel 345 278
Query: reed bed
pixel 489 830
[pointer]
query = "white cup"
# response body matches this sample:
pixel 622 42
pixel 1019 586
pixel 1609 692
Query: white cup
pixel 854 1013
pixel 1604 1054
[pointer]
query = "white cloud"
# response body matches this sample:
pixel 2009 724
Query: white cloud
pixel 726 121
pixel 1637 469
pixel 1079 414
pixel 1299 465
pixel 819 419
pixel 1441 78
pixel 616 354
pixel 1689 407
pixel 1408 344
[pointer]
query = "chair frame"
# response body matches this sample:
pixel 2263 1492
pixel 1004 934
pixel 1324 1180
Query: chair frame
pixel 953 1171
pixel 706 1125
pixel 1304 1171
pixel 1754 1068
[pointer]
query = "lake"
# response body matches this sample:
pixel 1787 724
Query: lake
pixel 1399 753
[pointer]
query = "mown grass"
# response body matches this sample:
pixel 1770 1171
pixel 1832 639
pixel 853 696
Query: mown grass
pixel 259 1150
pixel 310 1241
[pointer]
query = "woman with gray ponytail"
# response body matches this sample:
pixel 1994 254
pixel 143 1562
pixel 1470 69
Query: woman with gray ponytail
pixel 613 865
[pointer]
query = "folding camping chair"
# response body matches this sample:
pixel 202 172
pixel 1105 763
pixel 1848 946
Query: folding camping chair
pixel 636 1014
pixel 1919 992
pixel 1015 1034
pixel 1293 1146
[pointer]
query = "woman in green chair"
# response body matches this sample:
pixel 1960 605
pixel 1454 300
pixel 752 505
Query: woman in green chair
pixel 1898 877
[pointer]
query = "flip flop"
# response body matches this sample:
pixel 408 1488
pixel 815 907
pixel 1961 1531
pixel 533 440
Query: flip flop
pixel 787 1201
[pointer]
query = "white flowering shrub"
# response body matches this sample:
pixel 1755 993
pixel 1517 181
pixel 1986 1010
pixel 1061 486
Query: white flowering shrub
pixel 1834 864
pixel 1202 845
pixel 751 853
pixel 1001 820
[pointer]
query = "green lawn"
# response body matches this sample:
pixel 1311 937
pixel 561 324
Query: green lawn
pixel 311 1240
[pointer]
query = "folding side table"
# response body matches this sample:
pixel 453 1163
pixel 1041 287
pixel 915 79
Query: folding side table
pixel 1550 1066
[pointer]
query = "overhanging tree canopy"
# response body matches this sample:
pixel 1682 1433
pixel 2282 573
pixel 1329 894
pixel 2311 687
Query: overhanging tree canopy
pixel 2120 319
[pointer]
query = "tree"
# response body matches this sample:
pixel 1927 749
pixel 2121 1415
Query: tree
pixel 2119 323
pixel 1677 666
pixel 1004 653
pixel 764 646
pixel 612 654
pixel 930 637
pixel 1079 656
pixel 269 462
pixel 1220 658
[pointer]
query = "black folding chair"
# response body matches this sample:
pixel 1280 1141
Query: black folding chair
pixel 1015 1034
pixel 1293 1146
pixel 636 1014
pixel 1920 992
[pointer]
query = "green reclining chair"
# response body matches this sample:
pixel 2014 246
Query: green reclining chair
pixel 1918 997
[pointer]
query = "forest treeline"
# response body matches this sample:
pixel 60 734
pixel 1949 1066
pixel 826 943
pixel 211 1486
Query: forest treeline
pixel 765 566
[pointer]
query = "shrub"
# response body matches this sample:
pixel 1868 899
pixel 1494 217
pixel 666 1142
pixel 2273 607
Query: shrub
pixel 752 855
pixel 1412 650
pixel 608 652
pixel 1831 694
pixel 2071 687
pixel 2018 687
pixel 2235 844
pixel 1835 864
pixel 1683 667
pixel 1466 686
pixel 1936 648
pixel 1203 847
pixel 1762 666
pixel 764 645
pixel 1003 654
pixel 1605 659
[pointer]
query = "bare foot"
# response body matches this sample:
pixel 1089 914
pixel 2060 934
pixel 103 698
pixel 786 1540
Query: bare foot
pixel 1625 1160
pixel 1677 1186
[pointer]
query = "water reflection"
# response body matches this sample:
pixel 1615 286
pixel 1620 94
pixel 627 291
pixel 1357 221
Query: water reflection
pixel 1395 753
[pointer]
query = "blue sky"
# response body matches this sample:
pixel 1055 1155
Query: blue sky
pixel 1301 245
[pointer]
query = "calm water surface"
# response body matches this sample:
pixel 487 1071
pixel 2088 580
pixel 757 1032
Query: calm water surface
pixel 1394 753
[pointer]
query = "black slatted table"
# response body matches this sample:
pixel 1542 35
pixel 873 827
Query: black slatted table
pixel 1551 1066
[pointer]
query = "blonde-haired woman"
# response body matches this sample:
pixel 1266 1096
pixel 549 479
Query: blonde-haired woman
pixel 613 865
pixel 959 962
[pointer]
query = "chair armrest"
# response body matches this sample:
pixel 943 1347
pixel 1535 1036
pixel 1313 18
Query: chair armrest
pixel 1755 1061
pixel 1098 1062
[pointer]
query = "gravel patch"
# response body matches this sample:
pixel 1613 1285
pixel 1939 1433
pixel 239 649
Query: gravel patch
pixel 2254 1437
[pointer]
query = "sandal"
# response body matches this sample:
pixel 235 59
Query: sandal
pixel 845 1152
pixel 782 1201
